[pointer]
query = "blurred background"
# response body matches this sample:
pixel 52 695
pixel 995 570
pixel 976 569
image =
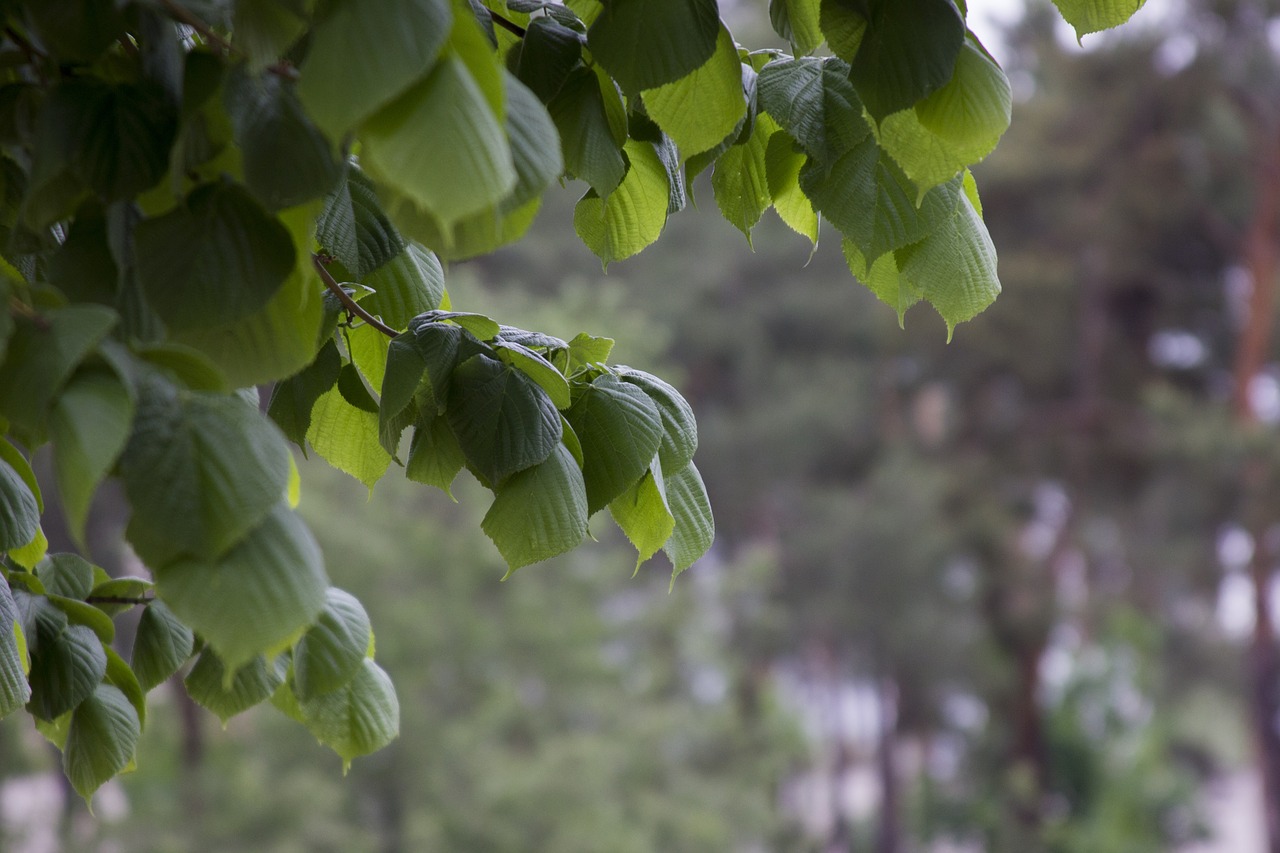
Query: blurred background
pixel 1015 593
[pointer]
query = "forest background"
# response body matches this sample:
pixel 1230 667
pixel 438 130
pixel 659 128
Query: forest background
pixel 998 594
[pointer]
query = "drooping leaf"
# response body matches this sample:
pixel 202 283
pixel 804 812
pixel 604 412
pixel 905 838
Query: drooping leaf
pixel 679 428
pixel 695 527
pixel 255 598
pixel 1091 16
pixel 539 512
pixel 226 694
pixel 641 511
pixel 843 25
pixel 330 653
pixel 907 52
pixel 647 43
pixel 293 399
pixel 503 421
pixel 102 739
pixel 346 437
pixel 161 645
pixel 216 259
pixel 68 575
pixel 359 718
pixel 396 44
pixel 19 514
pixel 537 368
pixel 353 226
pixel 434 455
pixel 549 52
pixel 703 107
pixel 89 425
pixel 535 145
pixel 14 690
pixel 120 676
pixel 797 22
pixel 812 100
pixel 67 661
pixel 741 178
pixel 633 215
pixel 200 469
pixel 620 429
pixel 587 141
pixel 783 162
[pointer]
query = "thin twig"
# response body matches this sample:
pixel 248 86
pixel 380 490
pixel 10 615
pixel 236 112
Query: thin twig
pixel 509 26
pixel 349 303
pixel 180 13
pixel 118 599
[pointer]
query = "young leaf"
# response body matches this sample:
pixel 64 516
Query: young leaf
pixel 162 645
pixel 329 654
pixel 633 215
pixel 642 513
pixel 703 107
pixel 346 437
pixel 620 429
pixel 741 178
pixel 227 694
pixel 102 739
pixel 503 420
pixel 256 597
pixel 539 512
pixel 783 162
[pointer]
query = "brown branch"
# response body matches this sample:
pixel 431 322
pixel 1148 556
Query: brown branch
pixel 118 599
pixel 180 13
pixel 509 26
pixel 349 303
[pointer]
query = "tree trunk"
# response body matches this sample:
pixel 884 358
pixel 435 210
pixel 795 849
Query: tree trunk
pixel 888 835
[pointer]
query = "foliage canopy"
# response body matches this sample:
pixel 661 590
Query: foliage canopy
pixel 203 197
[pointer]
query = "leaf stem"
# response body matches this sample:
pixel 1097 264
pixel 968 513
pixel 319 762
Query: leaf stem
pixel 509 26
pixel 118 599
pixel 347 302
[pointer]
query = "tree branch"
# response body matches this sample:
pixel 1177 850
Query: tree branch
pixel 180 13
pixel 118 599
pixel 509 26
pixel 350 304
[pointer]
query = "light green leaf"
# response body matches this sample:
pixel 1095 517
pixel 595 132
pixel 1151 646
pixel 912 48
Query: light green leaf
pixel 434 455
pixel 842 26
pixel 539 512
pixel 475 234
pixel 226 694
pixel 538 369
pixel 19 514
pixel 409 284
pixel 641 511
pixel 215 259
pixel 907 52
pixel 102 739
pixel 118 588
pixel 741 180
pixel 89 425
pixel 347 438
pixel 634 214
pixel 587 142
pixel 1091 16
pixel 330 653
pixel 293 399
pixel 368 349
pixel 256 598
pixel 31 553
pixel 647 43
pixel 586 350
pixel 695 528
pixel 357 719
pixel 955 126
pixel 200 469
pixel 503 421
pixel 783 161
pixel 470 167
pixel 620 429
pixel 679 428
pixel 883 279
pixel 161 645
pixel 797 22
pixel 353 226
pixel 703 107
pixel 396 43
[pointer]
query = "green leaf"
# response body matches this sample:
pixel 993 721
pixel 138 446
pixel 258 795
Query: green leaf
pixel 353 389
pixel 102 739
pixel 620 429
pixel 67 661
pixel 286 160
pixel 226 694
pixel 695 528
pixel 396 44
pixel 706 105
pixel 587 142
pixel 538 369
pixel 76 29
pixel 1091 16
pixel 161 645
pixel 80 613
pixel 868 197
pixel 539 512
pixel 797 22
pixel 907 52
pixel 587 350
pixel 955 126
pixel 293 399
pixel 549 52
pixel 409 284
pixel 43 355
pixel 330 653
pixel 641 511
pixel 883 278
pixel 118 588
pixel 68 575
pixel 503 421
pixel 32 552
pixel 843 26
pixel 437 344
pixel 264 29
pixel 89 425
pixel 353 226
pixel 359 718
pixel 535 144
pixel 741 178
pixel 19 514
pixel 257 597
pixel 120 676
pixel 783 161
pixel 647 43
pixel 633 215
pixel 434 455
pixel 14 690
pixel 812 100
pixel 215 259
pixel 200 469
pixel 347 438
pixel 470 167
pixel 679 428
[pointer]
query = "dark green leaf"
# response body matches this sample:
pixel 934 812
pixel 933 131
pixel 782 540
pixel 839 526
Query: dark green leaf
pixel 19 514
pixel 353 226
pixel 264 29
pixel 226 694
pixel 586 139
pixel 330 653
pixel 67 662
pixel 162 644
pixel 102 739
pixel 76 30
pixel 539 512
pixel 409 284
pixel 295 397
pixel 695 529
pixel 535 145
pixel 813 101
pixel 68 575
pixel 620 429
pixel 434 455
pixel 704 106
pixel 907 52
pixel 679 428
pixel 646 43
pixel 548 53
